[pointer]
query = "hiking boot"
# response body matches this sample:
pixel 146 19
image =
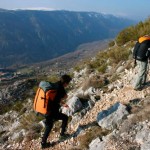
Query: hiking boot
pixel 45 145
pixel 138 89
pixel 64 136
pixel 146 84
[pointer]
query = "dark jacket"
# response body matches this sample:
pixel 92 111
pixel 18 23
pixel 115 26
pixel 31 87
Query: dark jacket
pixel 61 93
pixel 141 50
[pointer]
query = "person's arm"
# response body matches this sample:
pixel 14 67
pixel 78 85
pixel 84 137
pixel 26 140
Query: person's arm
pixel 148 54
pixel 148 51
pixel 62 101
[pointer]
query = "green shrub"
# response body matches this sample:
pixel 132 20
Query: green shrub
pixel 52 78
pixel 17 106
pixel 110 57
pixel 77 68
pixel 5 108
pixel 133 32
pixel 118 54
pixel 112 43
pixel 102 68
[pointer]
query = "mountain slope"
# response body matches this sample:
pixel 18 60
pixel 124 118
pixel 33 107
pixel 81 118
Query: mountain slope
pixel 25 127
pixel 34 36
pixel 78 130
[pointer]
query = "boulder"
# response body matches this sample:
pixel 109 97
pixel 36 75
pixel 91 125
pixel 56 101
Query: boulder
pixel 81 94
pixel 90 91
pixel 112 117
pixel 145 146
pixel 18 135
pixel 75 121
pixel 97 144
pixel 120 69
pixel 143 136
pixel 74 105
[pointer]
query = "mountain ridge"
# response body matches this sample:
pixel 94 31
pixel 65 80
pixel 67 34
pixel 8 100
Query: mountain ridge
pixel 33 36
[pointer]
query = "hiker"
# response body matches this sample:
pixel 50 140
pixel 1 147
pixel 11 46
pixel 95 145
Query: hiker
pixel 141 54
pixel 55 114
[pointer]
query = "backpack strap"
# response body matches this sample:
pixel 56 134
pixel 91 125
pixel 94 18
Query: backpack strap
pixel 44 99
pixel 136 47
pixel 39 89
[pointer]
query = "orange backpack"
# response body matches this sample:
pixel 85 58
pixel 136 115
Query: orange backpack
pixel 44 96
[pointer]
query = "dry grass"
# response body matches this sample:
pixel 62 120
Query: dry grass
pixel 33 132
pixel 94 132
pixel 141 113
pixel 29 122
pixel 115 144
pixel 95 81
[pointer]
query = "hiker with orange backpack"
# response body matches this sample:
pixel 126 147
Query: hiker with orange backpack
pixel 141 54
pixel 48 101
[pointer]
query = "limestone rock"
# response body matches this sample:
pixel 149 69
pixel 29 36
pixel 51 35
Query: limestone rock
pixel 112 117
pixel 74 105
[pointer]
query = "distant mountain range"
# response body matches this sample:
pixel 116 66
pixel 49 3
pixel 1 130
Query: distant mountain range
pixel 28 36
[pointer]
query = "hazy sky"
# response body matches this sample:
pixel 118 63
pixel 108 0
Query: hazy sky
pixel 135 9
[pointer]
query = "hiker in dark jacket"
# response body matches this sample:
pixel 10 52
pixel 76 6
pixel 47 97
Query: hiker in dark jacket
pixel 142 55
pixel 55 114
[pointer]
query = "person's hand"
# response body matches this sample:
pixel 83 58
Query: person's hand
pixel 65 105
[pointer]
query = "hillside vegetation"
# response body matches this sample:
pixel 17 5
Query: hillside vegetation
pixel 134 32
pixel 119 50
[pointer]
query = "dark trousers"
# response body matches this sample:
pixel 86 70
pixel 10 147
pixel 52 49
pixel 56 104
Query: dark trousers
pixel 50 119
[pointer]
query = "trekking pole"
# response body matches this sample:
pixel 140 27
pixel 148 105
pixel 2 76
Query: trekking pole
pixel 135 63
pixel 148 60
pixel 147 70
pixel 148 66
